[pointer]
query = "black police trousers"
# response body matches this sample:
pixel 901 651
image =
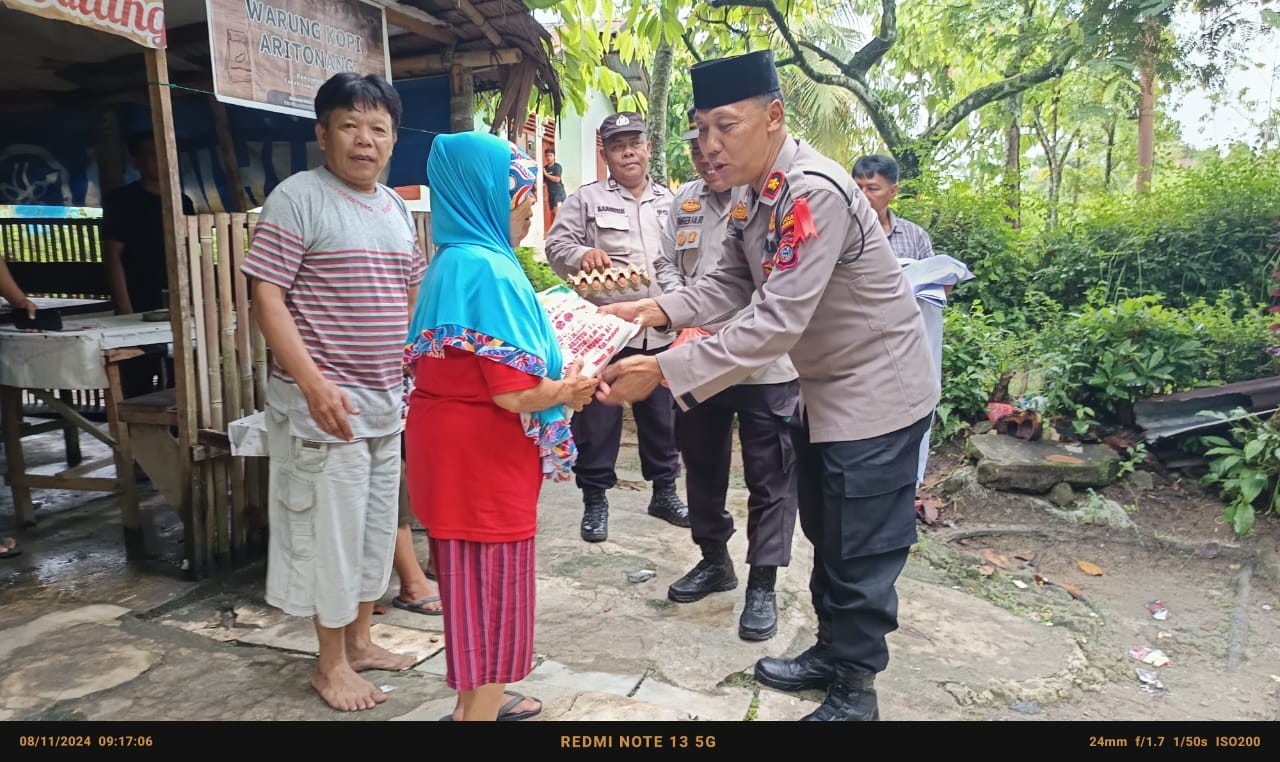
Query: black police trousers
pixel 597 430
pixel 766 415
pixel 857 508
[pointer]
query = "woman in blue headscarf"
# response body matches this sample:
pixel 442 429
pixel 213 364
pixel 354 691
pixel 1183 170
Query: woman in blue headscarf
pixel 488 417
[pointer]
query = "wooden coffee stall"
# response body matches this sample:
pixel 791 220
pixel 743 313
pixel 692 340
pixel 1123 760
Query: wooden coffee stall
pixel 103 59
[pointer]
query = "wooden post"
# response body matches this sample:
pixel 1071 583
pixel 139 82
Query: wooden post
pixel 180 301
pixel 130 513
pixel 11 421
pixel 227 150
pixel 462 109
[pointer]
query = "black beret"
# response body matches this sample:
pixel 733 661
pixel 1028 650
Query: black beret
pixel 733 79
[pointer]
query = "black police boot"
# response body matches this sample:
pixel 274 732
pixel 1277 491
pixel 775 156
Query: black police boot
pixel 759 620
pixel 850 698
pixel 812 669
pixel 595 515
pixel 666 504
pixel 713 574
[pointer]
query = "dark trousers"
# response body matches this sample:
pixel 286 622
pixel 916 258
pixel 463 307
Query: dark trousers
pixel 857 508
pixel 597 430
pixel 766 415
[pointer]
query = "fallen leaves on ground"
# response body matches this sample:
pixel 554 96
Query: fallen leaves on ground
pixel 928 507
pixel 995 559
pixel 1075 591
pixel 986 571
pixel 1091 569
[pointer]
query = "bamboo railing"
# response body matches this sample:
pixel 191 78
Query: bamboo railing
pixel 229 493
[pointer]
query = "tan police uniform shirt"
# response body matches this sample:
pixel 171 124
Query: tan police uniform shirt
pixel 692 241
pixel 604 215
pixel 837 301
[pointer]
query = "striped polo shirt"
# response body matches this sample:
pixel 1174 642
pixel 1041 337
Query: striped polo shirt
pixel 346 261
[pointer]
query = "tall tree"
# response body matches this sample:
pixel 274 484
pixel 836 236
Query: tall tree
pixel 659 87
pixel 1050 53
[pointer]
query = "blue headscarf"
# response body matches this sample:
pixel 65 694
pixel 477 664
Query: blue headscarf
pixel 476 296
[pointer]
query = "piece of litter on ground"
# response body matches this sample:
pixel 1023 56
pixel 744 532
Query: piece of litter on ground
pixel 1026 707
pixel 1266 607
pixel 986 570
pixel 1151 683
pixel 1162 635
pixel 386 688
pixel 642 575
pixel 1153 656
pixel 1020 584
pixel 1158 610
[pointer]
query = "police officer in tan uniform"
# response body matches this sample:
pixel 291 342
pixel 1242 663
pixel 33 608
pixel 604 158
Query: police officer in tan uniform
pixel 832 295
pixel 613 223
pixel 765 405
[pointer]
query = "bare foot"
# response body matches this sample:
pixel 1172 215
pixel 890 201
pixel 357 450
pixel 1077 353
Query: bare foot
pixel 374 656
pixel 346 691
pixel 527 705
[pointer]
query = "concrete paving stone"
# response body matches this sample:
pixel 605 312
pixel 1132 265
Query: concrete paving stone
pixel 547 693
pixel 775 706
pixel 406 640
pixel 291 634
pixel 434 665
pixel 591 706
pixel 72 661
pixel 554 673
pixel 730 704
pixel 38 629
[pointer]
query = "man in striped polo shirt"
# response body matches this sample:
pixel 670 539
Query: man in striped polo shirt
pixel 335 266
pixel 877 178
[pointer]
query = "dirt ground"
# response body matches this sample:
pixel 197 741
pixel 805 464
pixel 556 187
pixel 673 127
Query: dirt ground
pixel 1221 593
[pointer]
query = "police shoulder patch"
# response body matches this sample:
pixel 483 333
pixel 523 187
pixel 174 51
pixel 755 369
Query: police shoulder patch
pixel 740 212
pixel 787 256
pixel 773 186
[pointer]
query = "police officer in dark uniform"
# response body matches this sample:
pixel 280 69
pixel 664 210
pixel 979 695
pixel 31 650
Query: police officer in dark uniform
pixel 833 296
pixel 612 223
pixel 764 404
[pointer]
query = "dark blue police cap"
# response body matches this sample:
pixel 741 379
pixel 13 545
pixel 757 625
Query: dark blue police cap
pixel 733 79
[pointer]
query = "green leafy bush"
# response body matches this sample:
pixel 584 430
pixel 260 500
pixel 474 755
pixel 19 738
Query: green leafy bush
pixel 969 225
pixel 1107 356
pixel 1110 356
pixel 1246 468
pixel 1234 337
pixel 974 355
pixel 540 273
pixel 1202 230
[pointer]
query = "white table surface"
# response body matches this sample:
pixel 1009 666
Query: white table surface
pixel 73 357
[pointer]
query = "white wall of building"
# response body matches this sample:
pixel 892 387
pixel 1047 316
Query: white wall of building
pixel 577 142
